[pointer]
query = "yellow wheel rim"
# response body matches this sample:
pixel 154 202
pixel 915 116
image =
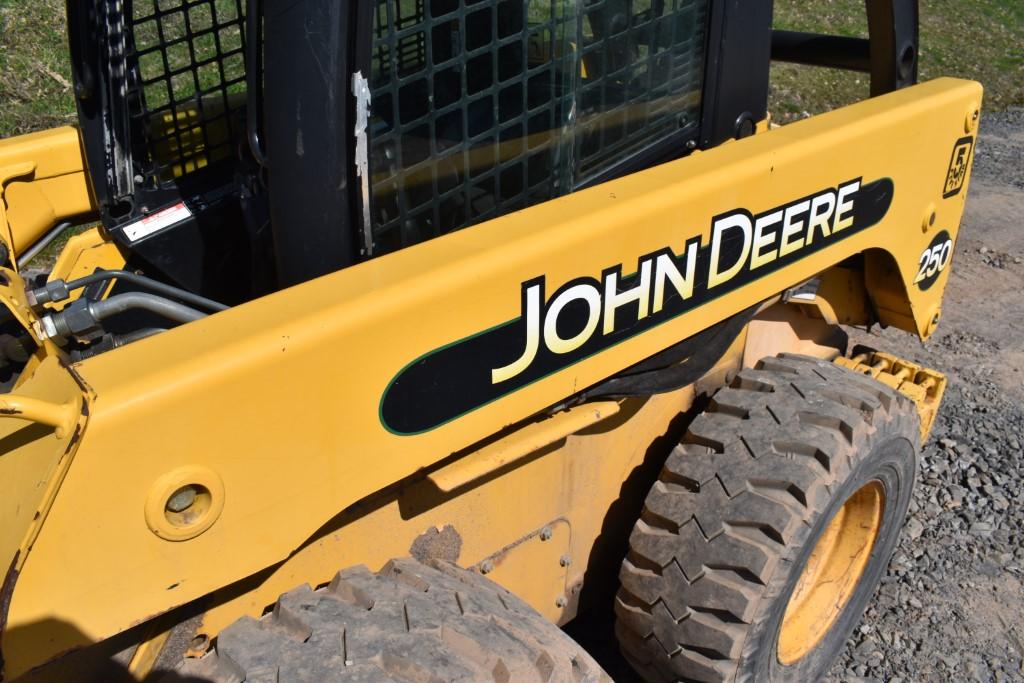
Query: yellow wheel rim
pixel 832 573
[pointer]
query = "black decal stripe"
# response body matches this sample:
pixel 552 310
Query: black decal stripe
pixel 453 380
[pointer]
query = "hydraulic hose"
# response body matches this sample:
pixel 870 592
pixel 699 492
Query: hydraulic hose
pixel 120 303
pixel 84 317
pixel 59 290
pixel 129 337
pixel 42 243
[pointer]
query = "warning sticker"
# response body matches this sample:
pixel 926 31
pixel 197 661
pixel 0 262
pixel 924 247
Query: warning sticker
pixel 157 221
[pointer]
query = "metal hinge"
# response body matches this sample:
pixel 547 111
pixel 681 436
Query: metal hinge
pixel 361 91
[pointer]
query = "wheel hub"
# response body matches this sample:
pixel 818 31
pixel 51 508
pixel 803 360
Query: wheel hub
pixel 832 573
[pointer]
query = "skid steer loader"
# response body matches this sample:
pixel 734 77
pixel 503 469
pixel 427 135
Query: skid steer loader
pixel 401 333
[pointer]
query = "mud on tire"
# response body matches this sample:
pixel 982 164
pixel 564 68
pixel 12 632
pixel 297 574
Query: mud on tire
pixel 740 504
pixel 411 621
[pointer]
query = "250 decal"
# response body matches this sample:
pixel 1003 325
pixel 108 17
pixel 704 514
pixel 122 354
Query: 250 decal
pixel 934 260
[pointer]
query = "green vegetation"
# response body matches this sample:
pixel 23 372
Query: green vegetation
pixel 980 39
pixel 35 72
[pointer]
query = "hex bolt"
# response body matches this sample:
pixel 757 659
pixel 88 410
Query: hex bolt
pixel 182 499
pixel 201 643
pixel 971 121
pixel 928 220
pixel 486 567
pixel 560 601
pixel 545 533
pixel 565 560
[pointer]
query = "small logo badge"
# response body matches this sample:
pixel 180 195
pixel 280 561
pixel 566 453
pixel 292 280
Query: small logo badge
pixel 957 172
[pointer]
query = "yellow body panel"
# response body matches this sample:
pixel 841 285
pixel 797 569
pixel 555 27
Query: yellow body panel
pixel 279 397
pixel 42 181
pixel 34 454
pixel 83 254
pixel 553 488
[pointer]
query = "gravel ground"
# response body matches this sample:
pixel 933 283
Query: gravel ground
pixel 952 605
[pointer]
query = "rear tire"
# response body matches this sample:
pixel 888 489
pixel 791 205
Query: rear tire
pixel 789 463
pixel 415 622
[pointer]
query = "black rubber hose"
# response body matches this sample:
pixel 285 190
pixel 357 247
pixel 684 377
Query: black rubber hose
pixel 150 284
pixel 129 337
pixel 677 366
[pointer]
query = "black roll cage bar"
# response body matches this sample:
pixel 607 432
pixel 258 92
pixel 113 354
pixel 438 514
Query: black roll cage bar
pixel 889 53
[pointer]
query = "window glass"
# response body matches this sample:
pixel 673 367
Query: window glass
pixel 482 107
pixel 640 79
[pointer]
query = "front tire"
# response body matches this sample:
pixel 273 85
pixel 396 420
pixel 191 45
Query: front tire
pixel 411 622
pixel 770 527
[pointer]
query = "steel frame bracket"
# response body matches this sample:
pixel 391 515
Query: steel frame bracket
pixel 923 386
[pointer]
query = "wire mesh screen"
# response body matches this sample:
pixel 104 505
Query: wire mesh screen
pixel 468 99
pixel 187 62
pixel 479 108
pixel 645 64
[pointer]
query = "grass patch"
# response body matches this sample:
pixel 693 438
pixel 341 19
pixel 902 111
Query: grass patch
pixel 35 71
pixel 978 39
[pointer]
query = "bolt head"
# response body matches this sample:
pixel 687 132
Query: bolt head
pixel 560 601
pixel 486 567
pixel 545 533
pixel 971 120
pixel 928 219
pixel 201 643
pixel 182 499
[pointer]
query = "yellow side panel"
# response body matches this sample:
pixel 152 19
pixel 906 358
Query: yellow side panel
pixel 42 181
pixel 279 398
pixel 30 454
pixel 83 254
pixel 565 487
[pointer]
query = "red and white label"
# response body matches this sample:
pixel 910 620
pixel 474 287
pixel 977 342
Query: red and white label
pixel 155 222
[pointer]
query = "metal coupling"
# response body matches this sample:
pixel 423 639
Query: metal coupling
pixel 76 320
pixel 82 319
pixel 51 291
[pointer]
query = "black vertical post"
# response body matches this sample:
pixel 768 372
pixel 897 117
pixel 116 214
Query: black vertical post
pixel 893 31
pixel 736 76
pixel 307 80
